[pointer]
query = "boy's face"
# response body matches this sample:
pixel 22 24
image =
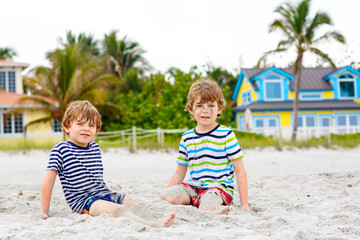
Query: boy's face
pixel 205 114
pixel 80 132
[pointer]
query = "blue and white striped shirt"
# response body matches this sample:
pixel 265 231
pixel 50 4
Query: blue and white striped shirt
pixel 209 157
pixel 80 172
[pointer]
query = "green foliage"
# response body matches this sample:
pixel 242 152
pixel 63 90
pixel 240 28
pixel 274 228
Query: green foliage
pixel 160 103
pixel 7 53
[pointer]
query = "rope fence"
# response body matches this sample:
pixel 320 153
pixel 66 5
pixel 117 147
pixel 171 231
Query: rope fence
pixel 132 135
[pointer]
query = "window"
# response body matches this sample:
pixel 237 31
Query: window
pixel 7 121
pixel 8 81
pixel 18 123
pixel 273 87
pixel 306 121
pixel 325 121
pixel 273 90
pixel 246 97
pixel 353 120
pixel 12 83
pixel 266 123
pixel 13 123
pixel 272 122
pixel 347 120
pixel 341 121
pixel 259 123
pixel 56 125
pixel 310 121
pixel 2 81
pixel 310 96
pixel 346 86
pixel 300 121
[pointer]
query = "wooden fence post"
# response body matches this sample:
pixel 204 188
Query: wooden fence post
pixel 281 144
pixel 160 136
pixel 134 138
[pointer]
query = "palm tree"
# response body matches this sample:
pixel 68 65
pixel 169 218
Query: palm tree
pixel 72 77
pixel 122 55
pixel 299 30
pixel 87 43
pixel 7 53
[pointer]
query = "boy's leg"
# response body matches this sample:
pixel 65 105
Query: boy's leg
pixel 130 201
pixel 117 210
pixel 212 200
pixel 177 195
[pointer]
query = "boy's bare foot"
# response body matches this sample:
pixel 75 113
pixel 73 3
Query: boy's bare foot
pixel 223 210
pixel 164 222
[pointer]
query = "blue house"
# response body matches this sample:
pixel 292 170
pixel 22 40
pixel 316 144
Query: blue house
pixel 329 101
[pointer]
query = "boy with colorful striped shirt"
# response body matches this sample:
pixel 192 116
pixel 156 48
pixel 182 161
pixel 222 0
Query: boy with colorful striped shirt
pixel 212 154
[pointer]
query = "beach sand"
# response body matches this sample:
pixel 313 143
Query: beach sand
pixel 293 194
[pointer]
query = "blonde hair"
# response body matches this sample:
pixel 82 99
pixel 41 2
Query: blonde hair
pixel 82 110
pixel 209 91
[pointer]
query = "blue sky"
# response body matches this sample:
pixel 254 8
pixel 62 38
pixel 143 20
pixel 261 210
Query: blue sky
pixel 227 33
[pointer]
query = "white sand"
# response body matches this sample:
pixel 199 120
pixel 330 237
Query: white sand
pixel 294 194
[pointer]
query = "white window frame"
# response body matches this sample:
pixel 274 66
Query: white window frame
pixel 346 80
pixel 347 120
pixel 311 98
pixel 325 117
pixel 7 83
pixel 53 126
pixel 281 89
pixel 12 119
pixel 304 121
pixel 246 97
pixel 262 119
pixel 268 122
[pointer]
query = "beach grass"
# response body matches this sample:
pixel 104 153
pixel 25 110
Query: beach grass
pixel 18 144
pixel 171 142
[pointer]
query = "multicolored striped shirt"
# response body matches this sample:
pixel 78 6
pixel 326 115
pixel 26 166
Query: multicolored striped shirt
pixel 209 157
pixel 80 172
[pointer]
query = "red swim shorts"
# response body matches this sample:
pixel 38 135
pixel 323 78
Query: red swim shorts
pixel 196 193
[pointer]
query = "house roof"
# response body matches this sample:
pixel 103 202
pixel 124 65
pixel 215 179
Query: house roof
pixel 12 64
pixel 303 105
pixel 311 78
pixel 8 99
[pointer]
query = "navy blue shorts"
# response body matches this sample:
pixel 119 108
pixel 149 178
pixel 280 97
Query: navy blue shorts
pixel 110 197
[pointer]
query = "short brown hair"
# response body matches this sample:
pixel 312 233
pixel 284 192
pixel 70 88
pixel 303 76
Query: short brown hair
pixel 209 91
pixel 83 110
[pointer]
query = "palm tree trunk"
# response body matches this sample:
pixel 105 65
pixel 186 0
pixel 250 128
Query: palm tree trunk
pixel 297 72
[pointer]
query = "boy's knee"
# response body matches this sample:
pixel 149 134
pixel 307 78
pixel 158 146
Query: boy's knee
pixel 166 197
pixel 175 195
pixel 121 210
pixel 210 200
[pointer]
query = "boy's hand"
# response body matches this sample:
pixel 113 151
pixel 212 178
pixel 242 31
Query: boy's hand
pixel 245 208
pixel 41 214
pixel 44 214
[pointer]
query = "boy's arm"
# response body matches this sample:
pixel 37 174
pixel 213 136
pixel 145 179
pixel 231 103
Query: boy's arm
pixel 242 183
pixel 178 176
pixel 46 190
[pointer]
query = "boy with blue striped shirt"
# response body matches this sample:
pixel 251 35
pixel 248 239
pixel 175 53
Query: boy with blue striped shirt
pixel 79 166
pixel 212 154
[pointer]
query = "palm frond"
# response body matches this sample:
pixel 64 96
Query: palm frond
pixel 331 35
pixel 323 55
